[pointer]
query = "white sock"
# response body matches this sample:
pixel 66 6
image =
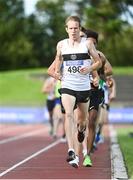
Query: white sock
pixel 77 158
pixel 71 149
pixel 84 152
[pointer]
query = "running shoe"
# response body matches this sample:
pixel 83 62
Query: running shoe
pixel 97 138
pixel 81 135
pixel 75 163
pixel 101 140
pixel 71 156
pixel 87 161
pixel 63 140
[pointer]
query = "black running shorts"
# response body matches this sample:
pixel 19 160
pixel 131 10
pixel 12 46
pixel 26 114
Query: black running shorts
pixel 81 96
pixel 96 98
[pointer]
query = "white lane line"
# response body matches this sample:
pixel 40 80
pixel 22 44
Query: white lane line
pixel 118 168
pixel 30 157
pixel 21 136
pixel 9 128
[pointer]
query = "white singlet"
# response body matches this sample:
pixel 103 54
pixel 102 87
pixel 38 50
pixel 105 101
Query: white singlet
pixel 75 58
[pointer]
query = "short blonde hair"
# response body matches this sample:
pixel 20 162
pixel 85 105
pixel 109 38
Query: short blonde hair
pixel 73 18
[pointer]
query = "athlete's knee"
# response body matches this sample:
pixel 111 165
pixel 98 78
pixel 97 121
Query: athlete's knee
pixel 69 116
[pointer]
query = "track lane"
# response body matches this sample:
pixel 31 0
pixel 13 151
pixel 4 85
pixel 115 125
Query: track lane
pixel 51 164
pixel 29 158
pixel 10 130
pixel 18 149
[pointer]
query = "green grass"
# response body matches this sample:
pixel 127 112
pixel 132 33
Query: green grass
pixel 21 88
pixel 126 145
pixel 123 70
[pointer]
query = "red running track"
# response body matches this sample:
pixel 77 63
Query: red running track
pixel 28 152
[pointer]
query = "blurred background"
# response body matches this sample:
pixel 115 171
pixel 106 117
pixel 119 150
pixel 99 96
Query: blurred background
pixel 29 32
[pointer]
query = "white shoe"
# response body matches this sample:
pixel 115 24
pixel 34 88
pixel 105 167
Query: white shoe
pixel 75 162
pixel 63 140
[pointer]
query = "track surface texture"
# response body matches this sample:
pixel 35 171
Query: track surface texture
pixel 29 152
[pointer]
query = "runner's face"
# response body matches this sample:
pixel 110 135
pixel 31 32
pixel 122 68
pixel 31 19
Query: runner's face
pixel 73 29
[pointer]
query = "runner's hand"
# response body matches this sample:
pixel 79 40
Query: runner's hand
pixel 85 70
pixel 95 81
pixel 57 75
